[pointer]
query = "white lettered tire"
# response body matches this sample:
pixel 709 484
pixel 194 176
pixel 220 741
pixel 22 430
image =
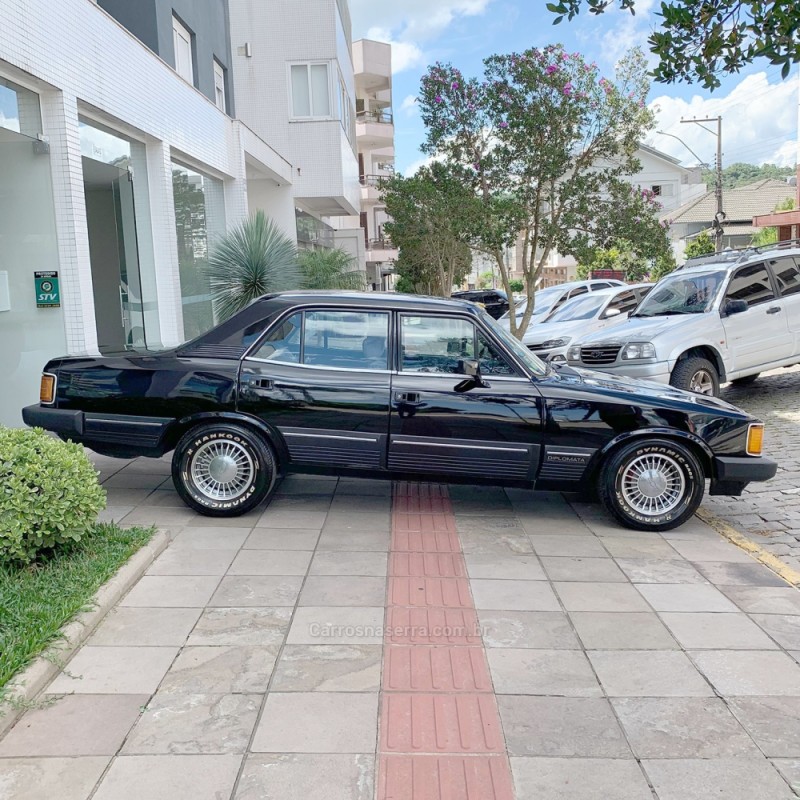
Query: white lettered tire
pixel 223 469
pixel 652 484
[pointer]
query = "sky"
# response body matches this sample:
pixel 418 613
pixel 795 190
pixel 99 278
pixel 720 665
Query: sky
pixel 759 110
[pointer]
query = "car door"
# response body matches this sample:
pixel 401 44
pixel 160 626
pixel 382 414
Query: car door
pixel 618 308
pixel 490 432
pixel 320 377
pixel 759 335
pixel 787 276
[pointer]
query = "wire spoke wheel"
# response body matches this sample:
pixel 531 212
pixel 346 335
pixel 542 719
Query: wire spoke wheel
pixel 653 484
pixel 222 470
pixel 702 382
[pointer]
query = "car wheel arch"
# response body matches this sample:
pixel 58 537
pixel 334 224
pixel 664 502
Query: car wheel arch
pixel 708 352
pixel 271 434
pixel 703 452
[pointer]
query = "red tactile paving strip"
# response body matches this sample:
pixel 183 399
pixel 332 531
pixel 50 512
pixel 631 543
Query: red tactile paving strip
pixel 444 778
pixel 440 736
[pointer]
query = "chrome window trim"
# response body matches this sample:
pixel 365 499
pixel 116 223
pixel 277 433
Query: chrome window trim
pixel 331 436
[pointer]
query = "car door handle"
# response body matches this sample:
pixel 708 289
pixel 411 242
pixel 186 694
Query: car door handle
pixel 773 310
pixel 409 398
pixel 264 384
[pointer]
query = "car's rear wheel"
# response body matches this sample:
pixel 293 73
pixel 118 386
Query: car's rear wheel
pixel 696 375
pixel 746 381
pixel 652 485
pixel 223 470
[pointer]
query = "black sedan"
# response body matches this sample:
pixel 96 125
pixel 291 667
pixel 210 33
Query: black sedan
pixel 397 386
pixel 494 301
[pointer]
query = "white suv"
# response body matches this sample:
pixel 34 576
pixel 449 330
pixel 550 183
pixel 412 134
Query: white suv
pixel 727 320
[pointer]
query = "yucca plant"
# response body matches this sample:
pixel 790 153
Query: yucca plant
pixel 330 269
pixel 254 258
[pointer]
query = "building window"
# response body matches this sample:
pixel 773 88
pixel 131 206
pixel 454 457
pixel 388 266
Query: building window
pixel 182 43
pixel 199 222
pixel 346 111
pixel 656 189
pixel 310 90
pixel 219 86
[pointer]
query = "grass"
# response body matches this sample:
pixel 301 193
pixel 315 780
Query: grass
pixel 37 600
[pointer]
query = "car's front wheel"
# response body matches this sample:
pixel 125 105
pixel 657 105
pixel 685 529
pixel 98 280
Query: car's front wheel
pixel 652 485
pixel 696 375
pixel 223 470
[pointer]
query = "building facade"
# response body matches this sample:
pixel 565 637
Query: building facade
pixel 121 161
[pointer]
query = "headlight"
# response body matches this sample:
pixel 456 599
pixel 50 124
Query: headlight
pixel 574 353
pixel 637 351
pixel 563 342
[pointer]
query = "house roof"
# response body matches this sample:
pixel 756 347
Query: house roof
pixel 646 148
pixel 740 205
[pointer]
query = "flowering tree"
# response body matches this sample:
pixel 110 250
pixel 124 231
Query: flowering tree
pixel 542 141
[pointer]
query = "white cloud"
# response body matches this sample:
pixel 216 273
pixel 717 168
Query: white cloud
pixel 408 24
pixel 409 105
pixel 417 165
pixel 11 123
pixel 628 31
pixel 759 123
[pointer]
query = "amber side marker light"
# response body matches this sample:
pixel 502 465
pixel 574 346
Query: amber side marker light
pixel 755 439
pixel 47 389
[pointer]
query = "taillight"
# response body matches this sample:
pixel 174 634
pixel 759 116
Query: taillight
pixel 47 388
pixel 755 439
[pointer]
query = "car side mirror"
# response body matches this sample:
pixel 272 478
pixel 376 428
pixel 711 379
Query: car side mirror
pixel 472 369
pixel 734 307
pixel 613 312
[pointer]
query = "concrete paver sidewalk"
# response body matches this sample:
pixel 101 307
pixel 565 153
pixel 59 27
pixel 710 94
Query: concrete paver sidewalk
pixel 579 659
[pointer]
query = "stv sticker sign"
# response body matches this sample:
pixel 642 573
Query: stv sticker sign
pixel 48 294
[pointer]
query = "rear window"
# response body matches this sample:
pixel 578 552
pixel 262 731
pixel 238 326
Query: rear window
pixel 787 273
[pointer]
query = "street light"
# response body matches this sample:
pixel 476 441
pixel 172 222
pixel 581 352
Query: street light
pixel 700 161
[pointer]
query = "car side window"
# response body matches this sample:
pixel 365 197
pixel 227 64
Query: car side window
pixel 435 344
pixel 787 273
pixel 578 291
pixel 624 302
pixel 346 339
pixel 751 284
pixel 282 343
pixel 492 363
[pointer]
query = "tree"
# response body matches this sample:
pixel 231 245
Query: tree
pixel 330 269
pixel 701 245
pixel 741 174
pixel 485 280
pixel 427 225
pixel 702 39
pixel 540 144
pixel 252 259
pixel 517 286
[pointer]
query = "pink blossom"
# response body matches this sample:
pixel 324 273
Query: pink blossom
pixel 438 98
pixel 504 124
pixel 454 85
pixel 551 69
pixel 567 89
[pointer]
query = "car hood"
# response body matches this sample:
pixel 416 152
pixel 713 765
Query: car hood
pixel 644 329
pixel 603 381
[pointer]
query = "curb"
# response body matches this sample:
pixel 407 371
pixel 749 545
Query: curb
pixel 791 576
pixel 38 675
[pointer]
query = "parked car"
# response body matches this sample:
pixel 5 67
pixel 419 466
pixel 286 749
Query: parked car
pixel 703 325
pixel 548 300
pixel 580 316
pixel 399 387
pixel 495 301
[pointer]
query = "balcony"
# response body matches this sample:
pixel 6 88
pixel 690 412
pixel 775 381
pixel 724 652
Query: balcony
pixel 374 129
pixel 371 187
pixel 381 250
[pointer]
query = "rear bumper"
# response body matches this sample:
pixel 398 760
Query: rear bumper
pixel 57 420
pixel 113 434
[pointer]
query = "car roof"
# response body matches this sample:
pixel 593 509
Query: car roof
pixel 732 258
pixel 388 300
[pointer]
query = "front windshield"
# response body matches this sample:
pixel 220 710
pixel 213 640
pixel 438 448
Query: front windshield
pixel 585 307
pixel 682 294
pixel 532 362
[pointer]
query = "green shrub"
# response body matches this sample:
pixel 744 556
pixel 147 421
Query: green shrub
pixel 49 493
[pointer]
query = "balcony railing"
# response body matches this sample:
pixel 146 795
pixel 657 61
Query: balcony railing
pixel 384 117
pixel 380 244
pixel 373 180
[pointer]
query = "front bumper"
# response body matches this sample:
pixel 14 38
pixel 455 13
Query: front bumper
pixel 57 420
pixel 657 371
pixel 744 468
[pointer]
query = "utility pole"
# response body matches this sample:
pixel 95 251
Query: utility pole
pixel 719 217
